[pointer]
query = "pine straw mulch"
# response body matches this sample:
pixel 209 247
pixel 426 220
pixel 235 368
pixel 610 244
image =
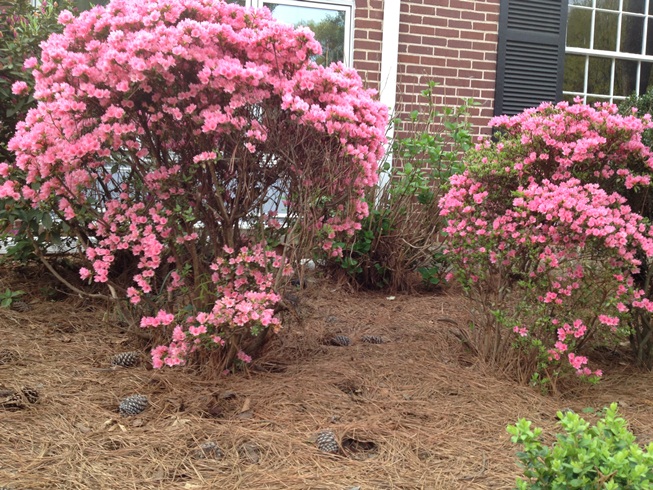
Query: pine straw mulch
pixel 412 413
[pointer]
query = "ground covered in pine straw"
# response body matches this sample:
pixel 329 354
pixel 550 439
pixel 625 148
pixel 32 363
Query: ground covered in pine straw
pixel 415 412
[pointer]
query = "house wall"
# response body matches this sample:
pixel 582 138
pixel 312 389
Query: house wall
pixel 452 42
pixel 368 37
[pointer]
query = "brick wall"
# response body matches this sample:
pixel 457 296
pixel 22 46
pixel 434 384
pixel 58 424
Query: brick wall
pixel 368 34
pixel 452 42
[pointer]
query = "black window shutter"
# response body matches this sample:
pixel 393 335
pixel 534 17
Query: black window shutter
pixel 531 54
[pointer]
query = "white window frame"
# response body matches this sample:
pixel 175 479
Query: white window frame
pixel 612 55
pixel 336 5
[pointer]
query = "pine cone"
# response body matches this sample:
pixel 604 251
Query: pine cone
pixel 133 405
pixel 30 394
pixel 372 339
pixel 17 400
pixel 340 340
pixel 208 450
pixel 326 441
pixel 11 400
pixel 20 306
pixel 126 359
pixel 7 356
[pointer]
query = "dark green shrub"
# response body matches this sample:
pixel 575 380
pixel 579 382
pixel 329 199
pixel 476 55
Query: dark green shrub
pixel 401 235
pixel 603 456
pixel 22 29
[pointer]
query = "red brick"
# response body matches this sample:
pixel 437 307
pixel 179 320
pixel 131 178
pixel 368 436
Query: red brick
pixel 485 26
pixel 409 39
pixel 458 63
pixel 473 55
pixel 364 44
pixel 472 15
pixel 484 65
pixel 366 65
pixel 374 56
pixel 459 44
pixel 424 30
pixel 483 46
pixel 459 24
pixel 433 20
pixel 447 32
pixel 375 36
pixel 422 10
pixel 461 4
pixel 412 19
pixel 492 37
pixel 479 36
pixel 367 24
pixel 448 13
pixel 434 41
pixel 420 49
pixel 408 59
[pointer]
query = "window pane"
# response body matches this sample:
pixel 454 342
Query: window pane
pixel 649 37
pixel 635 6
pixel 608 4
pixel 625 77
pixel 598 78
pixel 584 3
pixel 574 76
pixel 328 26
pixel 605 31
pixel 645 80
pixel 239 2
pixel 632 34
pixel 579 25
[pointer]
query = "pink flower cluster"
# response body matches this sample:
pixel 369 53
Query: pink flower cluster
pixel 174 81
pixel 244 305
pixel 548 209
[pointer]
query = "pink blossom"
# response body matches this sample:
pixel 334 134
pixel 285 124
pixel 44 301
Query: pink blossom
pixel 244 357
pixel 19 88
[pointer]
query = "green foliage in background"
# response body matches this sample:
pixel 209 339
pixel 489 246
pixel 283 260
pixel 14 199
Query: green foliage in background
pixel 22 28
pixel 401 235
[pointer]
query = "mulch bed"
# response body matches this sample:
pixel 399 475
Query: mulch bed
pixel 414 412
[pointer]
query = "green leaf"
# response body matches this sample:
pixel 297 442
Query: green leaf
pixel 46 221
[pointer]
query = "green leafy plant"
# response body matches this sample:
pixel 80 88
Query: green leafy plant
pixel 400 238
pixel 8 297
pixel 22 29
pixel 604 456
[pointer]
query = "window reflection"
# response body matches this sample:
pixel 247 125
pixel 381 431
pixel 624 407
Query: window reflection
pixel 608 4
pixel 632 34
pixel 605 31
pixel 328 26
pixel 574 75
pixel 598 76
pixel 634 6
pixel 579 28
pixel 604 40
pixel 625 77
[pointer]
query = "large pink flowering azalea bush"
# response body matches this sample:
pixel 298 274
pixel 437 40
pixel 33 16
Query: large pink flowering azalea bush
pixel 546 232
pixel 168 134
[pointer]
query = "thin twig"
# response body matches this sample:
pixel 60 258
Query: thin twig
pixel 52 270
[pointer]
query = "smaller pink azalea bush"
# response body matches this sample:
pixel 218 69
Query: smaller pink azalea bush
pixel 241 289
pixel 167 130
pixel 544 233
